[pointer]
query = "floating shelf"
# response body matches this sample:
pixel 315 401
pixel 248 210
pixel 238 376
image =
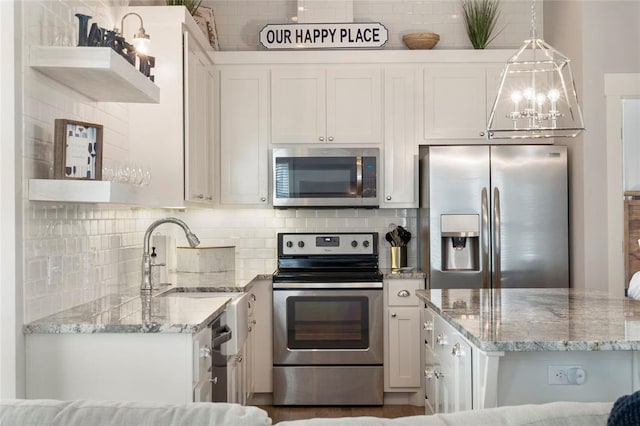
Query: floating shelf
pixel 84 191
pixel 96 72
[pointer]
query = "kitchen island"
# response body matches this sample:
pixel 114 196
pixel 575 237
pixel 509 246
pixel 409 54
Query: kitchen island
pixel 487 348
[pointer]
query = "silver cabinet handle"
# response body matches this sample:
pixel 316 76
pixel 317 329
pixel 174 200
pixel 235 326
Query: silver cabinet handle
pixel 263 199
pixel 199 196
pixel 214 380
pixel 205 352
pixel 455 350
pixel 388 197
pixel 209 198
pixel 481 133
pixel 394 315
pixel 428 373
pixel 440 339
pixel 428 325
pixel 404 293
pixel 438 374
pixel 330 138
pixel 321 138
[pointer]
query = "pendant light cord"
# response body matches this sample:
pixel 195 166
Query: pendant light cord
pixel 533 19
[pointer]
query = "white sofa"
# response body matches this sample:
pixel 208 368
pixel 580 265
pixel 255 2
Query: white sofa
pixel 109 413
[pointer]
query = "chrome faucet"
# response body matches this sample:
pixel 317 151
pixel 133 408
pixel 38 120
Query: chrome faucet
pixel 146 256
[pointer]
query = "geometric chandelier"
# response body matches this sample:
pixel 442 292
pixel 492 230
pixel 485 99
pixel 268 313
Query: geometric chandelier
pixel 537 95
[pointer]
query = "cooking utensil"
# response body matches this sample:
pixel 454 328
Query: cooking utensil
pixel 405 236
pixel 389 238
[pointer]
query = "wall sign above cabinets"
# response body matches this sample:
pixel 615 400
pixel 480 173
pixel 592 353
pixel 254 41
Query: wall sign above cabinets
pixel 324 36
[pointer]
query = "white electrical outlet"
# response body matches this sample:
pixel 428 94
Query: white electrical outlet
pixel 566 375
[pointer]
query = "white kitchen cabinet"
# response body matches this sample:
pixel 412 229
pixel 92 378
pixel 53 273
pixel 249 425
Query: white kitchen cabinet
pixel 448 368
pixel 243 115
pixel 400 148
pixel 173 139
pixel 163 367
pixel 334 104
pixel 199 98
pixel 457 102
pixel 263 333
pixel 402 361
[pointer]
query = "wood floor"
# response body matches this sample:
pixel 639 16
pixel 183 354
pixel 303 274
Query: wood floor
pixel 279 413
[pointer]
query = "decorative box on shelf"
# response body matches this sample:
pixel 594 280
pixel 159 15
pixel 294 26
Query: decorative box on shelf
pixel 96 72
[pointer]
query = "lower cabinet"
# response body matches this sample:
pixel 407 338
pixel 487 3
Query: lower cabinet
pixel 448 367
pixel 262 362
pixel 163 367
pixel 402 336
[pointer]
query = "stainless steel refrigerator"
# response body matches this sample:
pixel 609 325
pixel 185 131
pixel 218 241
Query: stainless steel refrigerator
pixel 494 216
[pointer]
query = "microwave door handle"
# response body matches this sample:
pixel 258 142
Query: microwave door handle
pixel 359 176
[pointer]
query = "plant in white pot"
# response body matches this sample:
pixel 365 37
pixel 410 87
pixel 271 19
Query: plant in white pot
pixel 480 18
pixel 191 5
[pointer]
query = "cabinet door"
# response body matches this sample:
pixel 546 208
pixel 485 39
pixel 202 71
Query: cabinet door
pixel 243 137
pixel 404 347
pixel 263 331
pixel 461 354
pixel 298 105
pixel 198 106
pixel 455 102
pixel 400 145
pixel 354 105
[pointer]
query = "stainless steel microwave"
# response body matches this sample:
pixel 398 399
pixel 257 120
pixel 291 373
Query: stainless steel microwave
pixel 325 177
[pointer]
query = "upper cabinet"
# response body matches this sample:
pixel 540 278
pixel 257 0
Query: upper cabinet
pixel 176 135
pixel 243 143
pixel 400 189
pixel 199 107
pixel 457 101
pixel 326 105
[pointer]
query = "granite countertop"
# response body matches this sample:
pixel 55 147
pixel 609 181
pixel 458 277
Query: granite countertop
pixel 539 319
pixel 403 273
pixel 160 312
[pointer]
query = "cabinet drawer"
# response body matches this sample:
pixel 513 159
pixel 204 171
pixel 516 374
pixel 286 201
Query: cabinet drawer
pixel 403 292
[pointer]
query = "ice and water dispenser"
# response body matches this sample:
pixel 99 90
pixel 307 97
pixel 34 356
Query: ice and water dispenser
pixel 460 242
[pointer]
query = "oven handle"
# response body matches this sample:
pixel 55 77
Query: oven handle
pixel 336 286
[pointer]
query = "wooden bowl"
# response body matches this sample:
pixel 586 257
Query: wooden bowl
pixel 420 40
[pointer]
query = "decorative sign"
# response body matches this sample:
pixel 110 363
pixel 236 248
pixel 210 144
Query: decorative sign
pixel 77 150
pixel 324 36
pixel 101 37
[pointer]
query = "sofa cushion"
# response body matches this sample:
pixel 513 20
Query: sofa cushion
pixel 44 412
pixel 551 414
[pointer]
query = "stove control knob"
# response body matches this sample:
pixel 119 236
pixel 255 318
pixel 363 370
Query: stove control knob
pixel 300 244
pixel 365 243
pixel 289 244
pixel 354 244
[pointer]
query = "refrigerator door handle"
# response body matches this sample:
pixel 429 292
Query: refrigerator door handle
pixel 485 238
pixel 496 238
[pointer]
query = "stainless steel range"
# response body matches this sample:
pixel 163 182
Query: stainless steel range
pixel 327 320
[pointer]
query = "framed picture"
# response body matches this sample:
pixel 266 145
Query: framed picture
pixel 207 23
pixel 77 150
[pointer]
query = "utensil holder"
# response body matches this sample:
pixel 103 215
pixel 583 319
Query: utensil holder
pixel 398 257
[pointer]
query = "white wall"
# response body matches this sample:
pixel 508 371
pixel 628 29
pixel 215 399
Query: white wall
pixel 239 22
pixel 583 31
pixel 11 341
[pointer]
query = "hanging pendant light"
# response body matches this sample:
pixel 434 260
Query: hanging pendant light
pixel 537 95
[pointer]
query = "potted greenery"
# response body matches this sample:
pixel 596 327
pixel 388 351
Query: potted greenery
pixel 480 17
pixel 191 5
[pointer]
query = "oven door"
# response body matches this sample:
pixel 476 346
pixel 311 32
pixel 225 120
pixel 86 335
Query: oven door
pixel 327 326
